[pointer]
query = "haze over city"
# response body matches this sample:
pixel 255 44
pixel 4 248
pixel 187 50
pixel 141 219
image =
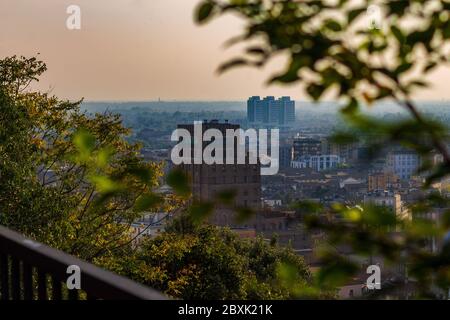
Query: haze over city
pixel 136 50
pixel 131 169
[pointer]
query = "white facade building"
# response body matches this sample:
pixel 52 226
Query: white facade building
pixel 318 163
pixel 272 203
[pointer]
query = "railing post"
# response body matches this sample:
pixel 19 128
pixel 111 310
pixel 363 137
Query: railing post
pixel 25 263
pixel 42 285
pixel 56 289
pixel 27 278
pixel 15 276
pixel 4 280
pixel 73 294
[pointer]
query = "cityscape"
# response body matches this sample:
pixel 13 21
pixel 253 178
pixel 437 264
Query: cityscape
pixel 312 168
pixel 225 158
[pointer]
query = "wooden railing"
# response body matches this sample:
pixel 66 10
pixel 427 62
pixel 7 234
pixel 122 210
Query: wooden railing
pixel 30 270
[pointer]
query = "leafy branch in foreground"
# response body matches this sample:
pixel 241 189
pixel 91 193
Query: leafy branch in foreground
pixel 332 51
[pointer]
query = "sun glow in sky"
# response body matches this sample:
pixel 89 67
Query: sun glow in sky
pixel 140 50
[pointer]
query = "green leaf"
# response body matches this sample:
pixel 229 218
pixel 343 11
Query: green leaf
pixel 178 180
pixel 104 184
pixel 446 31
pixel 142 173
pixel 147 201
pixel 332 25
pixel 307 207
pixel 403 68
pixel 232 64
pixel 199 211
pixel 430 66
pixel 84 141
pixel 204 11
pixel 315 91
pixel 243 214
pixel 256 51
pixel 287 273
pixel 446 219
pixel 343 138
pixel 227 196
pixel 355 13
pixel 398 7
pixel 379 216
pixel 417 83
pixel 103 157
pixel 351 107
pixel 287 77
pixel 335 272
pixel 398 34
pixel 423 228
pixel 291 74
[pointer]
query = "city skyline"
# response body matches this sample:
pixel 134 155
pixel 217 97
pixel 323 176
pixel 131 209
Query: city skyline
pixel 130 170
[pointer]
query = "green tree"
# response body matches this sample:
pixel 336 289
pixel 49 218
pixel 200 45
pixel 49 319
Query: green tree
pixel 68 179
pixel 192 261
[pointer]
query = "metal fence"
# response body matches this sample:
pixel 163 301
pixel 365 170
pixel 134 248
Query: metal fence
pixel 30 270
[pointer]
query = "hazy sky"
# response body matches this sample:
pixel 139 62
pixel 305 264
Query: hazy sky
pixel 138 50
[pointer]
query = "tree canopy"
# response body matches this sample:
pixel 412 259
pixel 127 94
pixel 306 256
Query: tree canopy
pixel 68 179
pixel 209 262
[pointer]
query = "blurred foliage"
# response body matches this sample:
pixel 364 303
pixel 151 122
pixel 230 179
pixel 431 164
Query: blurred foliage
pixel 334 51
pixel 179 182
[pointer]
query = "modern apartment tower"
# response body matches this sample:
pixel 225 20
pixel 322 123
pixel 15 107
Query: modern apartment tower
pixel 271 111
